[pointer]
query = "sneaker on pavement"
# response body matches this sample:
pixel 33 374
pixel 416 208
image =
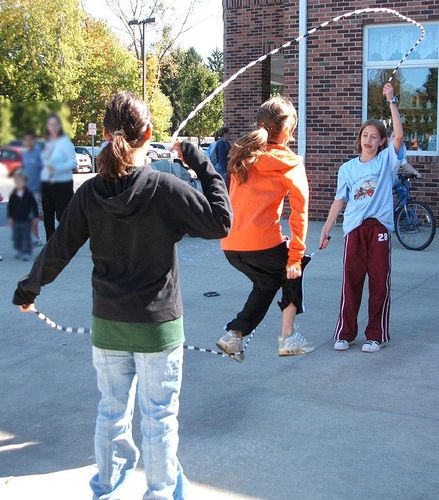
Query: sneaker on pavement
pixel 371 346
pixel 342 345
pixel 38 242
pixel 231 344
pixel 26 257
pixel 294 345
pixel 1 257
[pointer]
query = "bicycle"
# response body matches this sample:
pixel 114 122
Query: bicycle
pixel 415 224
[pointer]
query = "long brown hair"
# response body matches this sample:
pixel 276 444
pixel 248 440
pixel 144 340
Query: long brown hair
pixel 54 116
pixel 273 116
pixel 126 120
pixel 379 125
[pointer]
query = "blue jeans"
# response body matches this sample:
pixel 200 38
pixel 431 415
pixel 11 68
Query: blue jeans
pixel 21 235
pixel 157 377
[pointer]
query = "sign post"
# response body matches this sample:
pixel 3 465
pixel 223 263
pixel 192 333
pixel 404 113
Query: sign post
pixel 92 133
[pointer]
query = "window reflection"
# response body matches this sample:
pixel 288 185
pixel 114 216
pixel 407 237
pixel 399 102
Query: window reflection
pixel 417 89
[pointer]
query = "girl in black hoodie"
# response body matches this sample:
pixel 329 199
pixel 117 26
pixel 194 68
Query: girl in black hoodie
pixel 134 217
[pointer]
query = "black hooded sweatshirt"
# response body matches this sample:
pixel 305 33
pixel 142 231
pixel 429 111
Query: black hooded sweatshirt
pixel 134 224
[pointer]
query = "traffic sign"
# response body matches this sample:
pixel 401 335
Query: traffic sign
pixel 92 129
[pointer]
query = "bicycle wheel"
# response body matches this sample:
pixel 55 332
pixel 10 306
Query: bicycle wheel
pixel 415 225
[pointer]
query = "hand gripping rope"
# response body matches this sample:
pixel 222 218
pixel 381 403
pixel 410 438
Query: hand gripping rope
pixel 357 12
pixel 88 331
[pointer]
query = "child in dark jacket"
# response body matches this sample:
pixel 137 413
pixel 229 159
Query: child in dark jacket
pixel 22 210
pixel 134 217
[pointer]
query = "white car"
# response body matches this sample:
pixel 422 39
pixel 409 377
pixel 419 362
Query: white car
pixel 83 164
pixel 158 151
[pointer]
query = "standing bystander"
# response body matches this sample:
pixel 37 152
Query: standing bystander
pixel 32 166
pixel 22 210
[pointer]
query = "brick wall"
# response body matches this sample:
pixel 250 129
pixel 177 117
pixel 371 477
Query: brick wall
pixel 334 86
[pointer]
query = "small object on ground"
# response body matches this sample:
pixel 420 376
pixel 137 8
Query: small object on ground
pixel 371 346
pixel 211 294
pixel 342 345
pixel 1 257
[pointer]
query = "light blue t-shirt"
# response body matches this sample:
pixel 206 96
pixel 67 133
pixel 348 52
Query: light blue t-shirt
pixel 32 165
pixel 367 188
pixel 59 154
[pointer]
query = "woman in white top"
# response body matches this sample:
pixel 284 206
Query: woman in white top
pixel 59 160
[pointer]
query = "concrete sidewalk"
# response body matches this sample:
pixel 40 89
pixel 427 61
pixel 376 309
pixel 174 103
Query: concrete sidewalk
pixel 328 425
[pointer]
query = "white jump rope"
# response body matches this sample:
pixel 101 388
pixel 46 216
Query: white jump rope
pixel 209 98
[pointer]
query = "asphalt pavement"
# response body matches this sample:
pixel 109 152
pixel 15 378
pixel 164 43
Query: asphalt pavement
pixel 328 425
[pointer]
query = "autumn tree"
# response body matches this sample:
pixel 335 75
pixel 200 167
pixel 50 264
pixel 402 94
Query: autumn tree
pixel 41 47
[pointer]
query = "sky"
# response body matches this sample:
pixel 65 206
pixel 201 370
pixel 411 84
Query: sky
pixel 206 23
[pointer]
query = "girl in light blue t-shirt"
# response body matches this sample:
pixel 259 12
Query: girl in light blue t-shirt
pixel 365 186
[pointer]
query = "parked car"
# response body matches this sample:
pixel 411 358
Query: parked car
pixel 158 151
pixel 12 158
pixel 83 164
pixel 88 150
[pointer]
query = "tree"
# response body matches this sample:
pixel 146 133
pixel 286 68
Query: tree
pixel 108 68
pixel 199 81
pixel 168 31
pixel 176 70
pixel 6 130
pixel 41 48
pixel 161 110
pixel 216 63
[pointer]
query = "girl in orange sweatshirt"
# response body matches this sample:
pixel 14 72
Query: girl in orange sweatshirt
pixel 263 170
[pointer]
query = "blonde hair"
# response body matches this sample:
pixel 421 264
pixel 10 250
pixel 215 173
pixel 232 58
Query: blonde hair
pixel 273 116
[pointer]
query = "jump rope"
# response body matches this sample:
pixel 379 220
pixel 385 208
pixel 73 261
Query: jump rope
pixel 210 97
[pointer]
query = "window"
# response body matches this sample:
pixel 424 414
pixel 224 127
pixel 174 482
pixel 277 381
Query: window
pixel 277 65
pixel 416 82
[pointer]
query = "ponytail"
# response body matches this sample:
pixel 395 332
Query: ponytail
pixel 126 122
pixel 272 118
pixel 116 159
pixel 246 151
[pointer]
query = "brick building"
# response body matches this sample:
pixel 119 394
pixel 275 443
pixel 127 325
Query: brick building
pixel 340 72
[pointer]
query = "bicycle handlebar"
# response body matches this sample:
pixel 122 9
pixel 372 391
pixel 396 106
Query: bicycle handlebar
pixel 404 177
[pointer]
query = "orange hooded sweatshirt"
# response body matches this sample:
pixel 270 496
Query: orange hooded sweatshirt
pixel 258 203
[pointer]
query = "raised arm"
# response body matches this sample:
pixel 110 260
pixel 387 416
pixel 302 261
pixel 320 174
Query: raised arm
pixel 208 214
pixel 398 132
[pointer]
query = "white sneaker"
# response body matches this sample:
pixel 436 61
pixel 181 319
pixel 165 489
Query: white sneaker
pixel 1 257
pixel 371 346
pixel 342 345
pixel 231 344
pixel 295 344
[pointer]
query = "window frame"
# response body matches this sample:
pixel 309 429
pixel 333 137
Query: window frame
pixel 389 64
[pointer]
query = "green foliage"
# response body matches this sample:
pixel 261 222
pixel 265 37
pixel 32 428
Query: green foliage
pixel 6 130
pixel 41 48
pixel 216 63
pixel 201 82
pixel 55 58
pixel 187 81
pixel 161 110
pixel 108 68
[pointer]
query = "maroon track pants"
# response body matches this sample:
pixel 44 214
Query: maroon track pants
pixel 367 251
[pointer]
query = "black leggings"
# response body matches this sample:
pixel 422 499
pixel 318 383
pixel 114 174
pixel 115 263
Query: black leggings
pixel 266 269
pixel 55 198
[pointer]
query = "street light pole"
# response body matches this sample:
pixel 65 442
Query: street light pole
pixel 143 22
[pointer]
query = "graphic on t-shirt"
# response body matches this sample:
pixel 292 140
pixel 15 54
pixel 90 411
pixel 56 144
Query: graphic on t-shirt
pixel 367 189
